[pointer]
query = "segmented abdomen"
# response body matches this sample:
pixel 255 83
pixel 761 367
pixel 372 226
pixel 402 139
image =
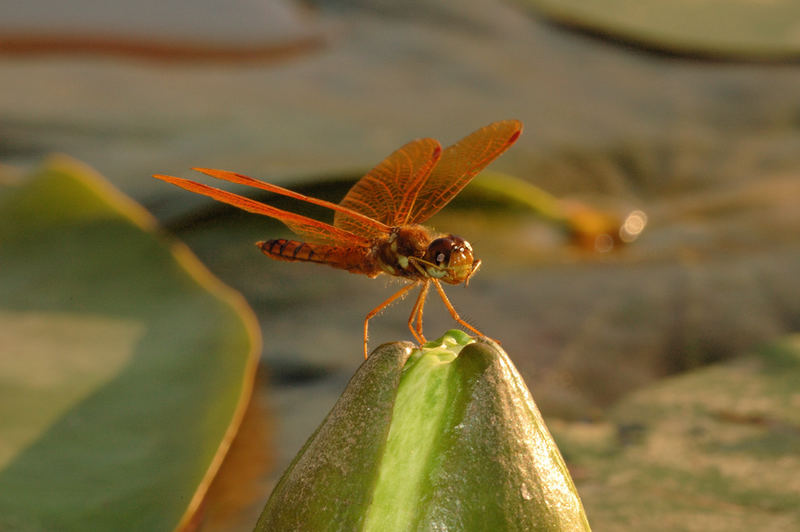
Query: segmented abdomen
pixel 353 259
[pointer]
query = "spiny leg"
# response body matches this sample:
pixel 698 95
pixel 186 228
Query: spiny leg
pixel 416 314
pixel 452 310
pixel 400 293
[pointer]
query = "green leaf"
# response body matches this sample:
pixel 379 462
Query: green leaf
pixel 714 449
pixel 125 365
pixel 718 28
pixel 447 437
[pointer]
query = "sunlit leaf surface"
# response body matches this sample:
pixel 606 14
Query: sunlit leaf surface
pixel 124 365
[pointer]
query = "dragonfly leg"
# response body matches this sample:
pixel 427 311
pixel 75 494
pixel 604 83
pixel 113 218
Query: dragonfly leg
pixel 452 309
pixel 416 314
pixel 397 295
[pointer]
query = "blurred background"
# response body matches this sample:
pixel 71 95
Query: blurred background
pixel 677 121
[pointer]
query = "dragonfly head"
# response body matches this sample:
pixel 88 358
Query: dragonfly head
pixel 450 259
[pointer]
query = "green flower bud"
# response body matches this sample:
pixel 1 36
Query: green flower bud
pixel 442 438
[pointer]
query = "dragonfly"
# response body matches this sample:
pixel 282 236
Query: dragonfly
pixel 377 227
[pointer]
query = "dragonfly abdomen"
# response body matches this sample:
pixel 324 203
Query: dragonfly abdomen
pixel 353 259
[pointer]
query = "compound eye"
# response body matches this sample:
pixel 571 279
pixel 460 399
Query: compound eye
pixel 450 259
pixel 439 251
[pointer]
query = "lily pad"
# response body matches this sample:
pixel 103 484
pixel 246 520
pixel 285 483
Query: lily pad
pixel 718 28
pixel 126 366
pixel 715 449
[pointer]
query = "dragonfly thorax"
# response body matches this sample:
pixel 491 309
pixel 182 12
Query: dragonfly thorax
pixel 400 251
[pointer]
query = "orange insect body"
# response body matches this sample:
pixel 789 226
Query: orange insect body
pixel 376 226
pixel 352 259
